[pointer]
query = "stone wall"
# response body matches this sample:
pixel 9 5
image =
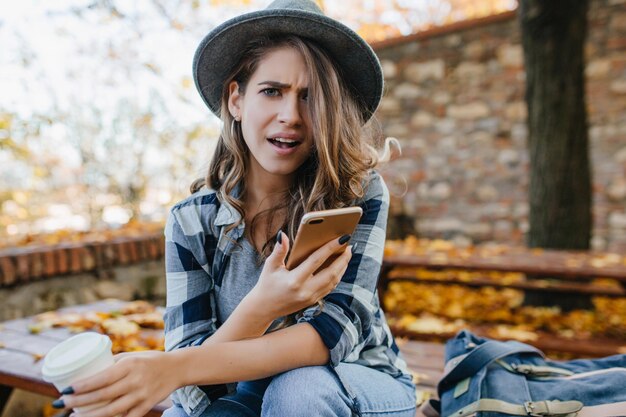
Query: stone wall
pixel 38 279
pixel 455 99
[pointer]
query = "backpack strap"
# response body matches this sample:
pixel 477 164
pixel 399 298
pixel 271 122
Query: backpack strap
pixel 480 357
pixel 553 408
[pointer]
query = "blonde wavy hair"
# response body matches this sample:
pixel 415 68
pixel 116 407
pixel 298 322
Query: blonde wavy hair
pixel 336 173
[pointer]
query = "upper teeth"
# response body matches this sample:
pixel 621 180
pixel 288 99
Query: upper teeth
pixel 283 140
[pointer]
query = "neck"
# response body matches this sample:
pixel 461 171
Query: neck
pixel 264 190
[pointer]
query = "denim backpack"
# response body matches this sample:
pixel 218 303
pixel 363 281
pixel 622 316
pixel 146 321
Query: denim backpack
pixel 488 378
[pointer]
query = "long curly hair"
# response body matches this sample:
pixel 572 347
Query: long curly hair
pixel 344 151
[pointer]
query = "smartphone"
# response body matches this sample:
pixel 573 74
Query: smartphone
pixel 320 227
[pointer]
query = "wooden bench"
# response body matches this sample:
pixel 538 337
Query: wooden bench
pixel 553 271
pixel 21 351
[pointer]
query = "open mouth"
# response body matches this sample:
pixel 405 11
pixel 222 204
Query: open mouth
pixel 283 143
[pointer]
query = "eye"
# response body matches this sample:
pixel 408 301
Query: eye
pixel 271 92
pixel 305 96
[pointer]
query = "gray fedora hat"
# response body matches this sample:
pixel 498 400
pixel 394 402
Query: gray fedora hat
pixel 221 50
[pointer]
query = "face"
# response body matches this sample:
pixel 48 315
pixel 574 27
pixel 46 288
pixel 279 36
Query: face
pixel 274 115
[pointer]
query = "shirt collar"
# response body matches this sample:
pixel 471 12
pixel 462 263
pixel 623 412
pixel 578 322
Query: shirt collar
pixel 227 214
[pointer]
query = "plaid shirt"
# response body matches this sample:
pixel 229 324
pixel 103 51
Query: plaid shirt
pixel 351 323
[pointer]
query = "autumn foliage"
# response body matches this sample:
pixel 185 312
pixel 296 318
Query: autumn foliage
pixel 444 309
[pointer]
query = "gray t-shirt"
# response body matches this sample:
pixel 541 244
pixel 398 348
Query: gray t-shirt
pixel 241 275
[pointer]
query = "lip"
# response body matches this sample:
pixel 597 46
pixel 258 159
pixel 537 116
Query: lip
pixel 286 135
pixel 284 151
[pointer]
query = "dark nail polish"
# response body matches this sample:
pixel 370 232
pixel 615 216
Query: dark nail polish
pixel 58 404
pixel 68 391
pixel 279 238
pixel 354 247
pixel 343 239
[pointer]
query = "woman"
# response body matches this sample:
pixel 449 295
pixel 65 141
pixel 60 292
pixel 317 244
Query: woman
pixel 245 336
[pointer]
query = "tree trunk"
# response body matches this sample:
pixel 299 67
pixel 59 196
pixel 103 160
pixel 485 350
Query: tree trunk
pixel 553 37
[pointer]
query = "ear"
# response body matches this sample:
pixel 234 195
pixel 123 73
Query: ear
pixel 234 99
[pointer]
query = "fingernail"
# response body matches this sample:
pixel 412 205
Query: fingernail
pixel 343 239
pixel 58 404
pixel 279 238
pixel 354 247
pixel 68 391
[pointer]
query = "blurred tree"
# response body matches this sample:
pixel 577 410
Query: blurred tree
pixel 122 118
pixel 553 36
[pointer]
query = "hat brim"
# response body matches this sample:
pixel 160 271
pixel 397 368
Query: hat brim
pixel 221 49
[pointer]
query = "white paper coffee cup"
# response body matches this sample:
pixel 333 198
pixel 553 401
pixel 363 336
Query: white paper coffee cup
pixel 76 358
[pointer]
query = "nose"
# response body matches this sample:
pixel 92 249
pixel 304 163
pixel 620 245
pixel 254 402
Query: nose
pixel 290 111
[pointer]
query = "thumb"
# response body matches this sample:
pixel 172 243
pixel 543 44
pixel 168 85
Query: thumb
pixel 281 248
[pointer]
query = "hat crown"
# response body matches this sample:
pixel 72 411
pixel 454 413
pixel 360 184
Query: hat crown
pixel 305 5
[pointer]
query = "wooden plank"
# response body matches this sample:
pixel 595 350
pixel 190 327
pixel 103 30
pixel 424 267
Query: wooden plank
pixel 536 285
pixel 549 343
pixel 553 264
pixel 425 361
pixel 19 367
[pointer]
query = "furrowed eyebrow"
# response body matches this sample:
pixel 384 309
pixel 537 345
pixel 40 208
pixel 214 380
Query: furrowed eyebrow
pixel 277 84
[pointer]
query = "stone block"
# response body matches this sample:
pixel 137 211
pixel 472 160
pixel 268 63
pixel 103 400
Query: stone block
pixel 423 71
pixel 389 106
pixel 618 87
pixel 517 111
pixel 398 130
pixel 131 247
pixel 616 43
pixel 112 289
pixel 89 259
pixel 75 259
pixel 22 263
pixel 61 260
pixel 36 264
pixel 502 230
pixel 478 231
pixel 422 119
pixel 142 250
pixel 407 91
pixel 8 271
pixel 475 50
pixel 618 22
pixel 617 220
pixel 487 193
pixel 153 249
pixel 470 70
pixel 511 56
pixel 470 111
pixel 440 191
pixel 598 68
pixel 445 126
pixel 598 243
pixel 620 156
pixel 390 69
pixel 509 157
pixel 49 263
pixel 121 253
pixel 616 191
pixel 441 97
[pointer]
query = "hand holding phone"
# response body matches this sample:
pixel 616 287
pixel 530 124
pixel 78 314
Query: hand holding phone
pixel 320 227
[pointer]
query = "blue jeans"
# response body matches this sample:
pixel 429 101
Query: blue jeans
pixel 317 391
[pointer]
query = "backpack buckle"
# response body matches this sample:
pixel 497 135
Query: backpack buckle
pixel 554 408
pixel 530 407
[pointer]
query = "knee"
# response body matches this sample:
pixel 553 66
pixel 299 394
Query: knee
pixel 312 390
